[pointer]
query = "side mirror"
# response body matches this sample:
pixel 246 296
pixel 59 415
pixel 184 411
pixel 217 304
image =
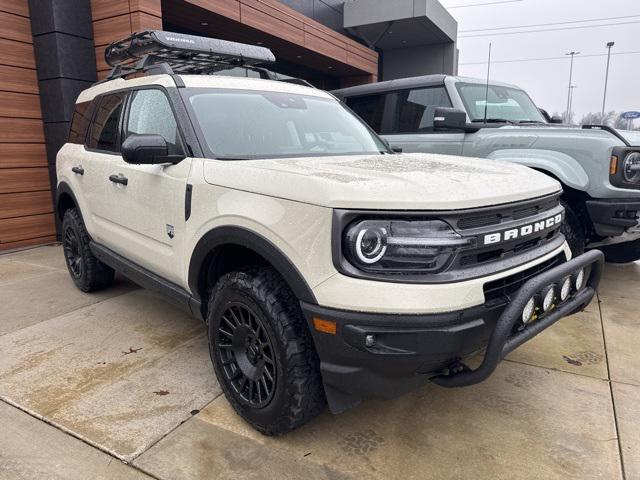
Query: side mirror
pixel 556 119
pixel 388 145
pixel 449 119
pixel 147 149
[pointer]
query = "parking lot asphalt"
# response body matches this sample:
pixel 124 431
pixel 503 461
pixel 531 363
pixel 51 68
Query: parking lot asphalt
pixel 119 385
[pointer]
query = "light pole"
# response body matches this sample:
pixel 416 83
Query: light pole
pixel 571 89
pixel 606 78
pixel 572 54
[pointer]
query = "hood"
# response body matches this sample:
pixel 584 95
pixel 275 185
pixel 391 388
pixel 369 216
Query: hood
pixel 632 136
pixel 405 181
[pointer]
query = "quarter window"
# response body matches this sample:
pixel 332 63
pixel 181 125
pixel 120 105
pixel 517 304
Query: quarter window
pixel 80 123
pixel 150 113
pixel 104 131
pixel 415 109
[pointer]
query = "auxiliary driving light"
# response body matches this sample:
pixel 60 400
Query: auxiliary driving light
pixel 529 311
pixel 580 279
pixel 565 290
pixel 549 297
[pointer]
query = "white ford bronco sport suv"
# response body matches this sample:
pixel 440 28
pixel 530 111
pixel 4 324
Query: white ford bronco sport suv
pixel 327 268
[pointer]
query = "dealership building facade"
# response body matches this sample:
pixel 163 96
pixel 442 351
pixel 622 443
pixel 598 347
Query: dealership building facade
pixel 50 50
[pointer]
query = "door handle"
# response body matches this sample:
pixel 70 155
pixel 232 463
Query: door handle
pixel 79 170
pixel 122 180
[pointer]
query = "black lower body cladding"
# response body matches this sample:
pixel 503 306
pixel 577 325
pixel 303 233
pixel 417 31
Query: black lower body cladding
pixel 386 355
pixel 612 217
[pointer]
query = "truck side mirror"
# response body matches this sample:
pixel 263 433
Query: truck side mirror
pixel 449 119
pixel 147 149
pixel 556 119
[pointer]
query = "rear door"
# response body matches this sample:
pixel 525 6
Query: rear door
pixel 102 148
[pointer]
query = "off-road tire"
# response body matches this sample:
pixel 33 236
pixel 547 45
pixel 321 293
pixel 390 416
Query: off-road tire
pixel 573 230
pixel 298 395
pixel 622 253
pixel 87 272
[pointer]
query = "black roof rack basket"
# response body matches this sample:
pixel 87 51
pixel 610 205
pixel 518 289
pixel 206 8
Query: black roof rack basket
pixel 180 53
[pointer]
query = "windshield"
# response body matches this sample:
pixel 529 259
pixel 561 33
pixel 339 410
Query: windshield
pixel 246 124
pixel 503 103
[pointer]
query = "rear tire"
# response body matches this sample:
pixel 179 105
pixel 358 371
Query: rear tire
pixel 87 272
pixel 262 351
pixel 622 253
pixel 573 230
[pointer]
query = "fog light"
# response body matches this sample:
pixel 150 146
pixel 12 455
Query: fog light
pixel 580 279
pixel 370 341
pixel 549 297
pixel 565 290
pixel 529 311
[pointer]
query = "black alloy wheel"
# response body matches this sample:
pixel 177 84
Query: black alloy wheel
pixel 247 355
pixel 71 246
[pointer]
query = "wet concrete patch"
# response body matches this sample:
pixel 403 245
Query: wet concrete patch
pixel 46 256
pixel 524 422
pixel 621 320
pixel 31 449
pixel 198 450
pixel 627 401
pixel 94 371
pixel 32 300
pixel 574 344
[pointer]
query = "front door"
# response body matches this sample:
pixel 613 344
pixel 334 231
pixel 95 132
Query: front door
pixel 148 217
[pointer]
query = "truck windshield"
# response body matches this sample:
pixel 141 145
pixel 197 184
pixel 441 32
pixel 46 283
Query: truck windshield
pixel 247 124
pixel 506 104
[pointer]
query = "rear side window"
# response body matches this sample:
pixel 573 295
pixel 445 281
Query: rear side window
pixel 370 108
pixel 104 130
pixel 415 109
pixel 80 123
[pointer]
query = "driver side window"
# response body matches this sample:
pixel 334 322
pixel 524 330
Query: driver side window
pixel 150 113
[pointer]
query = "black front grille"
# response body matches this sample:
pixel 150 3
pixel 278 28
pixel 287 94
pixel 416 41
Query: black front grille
pixel 504 287
pixel 508 213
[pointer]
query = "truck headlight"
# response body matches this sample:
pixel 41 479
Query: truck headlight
pixel 631 167
pixel 378 246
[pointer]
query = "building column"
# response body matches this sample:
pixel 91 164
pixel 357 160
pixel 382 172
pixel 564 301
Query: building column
pixel 65 63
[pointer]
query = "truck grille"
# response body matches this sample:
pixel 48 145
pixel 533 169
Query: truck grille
pixel 498 290
pixel 506 214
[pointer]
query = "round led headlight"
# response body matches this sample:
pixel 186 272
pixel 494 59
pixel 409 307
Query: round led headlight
pixel 565 289
pixel 549 297
pixel 529 311
pixel 631 167
pixel 371 244
pixel 580 279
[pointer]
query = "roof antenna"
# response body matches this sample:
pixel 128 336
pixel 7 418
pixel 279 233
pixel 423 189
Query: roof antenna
pixel 486 92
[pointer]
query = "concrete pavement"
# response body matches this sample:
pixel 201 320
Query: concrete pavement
pixel 119 385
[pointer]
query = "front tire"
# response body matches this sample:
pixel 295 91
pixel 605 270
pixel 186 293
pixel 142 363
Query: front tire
pixel 573 230
pixel 87 272
pixel 262 351
pixel 622 253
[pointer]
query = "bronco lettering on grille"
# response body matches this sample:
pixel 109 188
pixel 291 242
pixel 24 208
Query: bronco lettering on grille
pixel 523 231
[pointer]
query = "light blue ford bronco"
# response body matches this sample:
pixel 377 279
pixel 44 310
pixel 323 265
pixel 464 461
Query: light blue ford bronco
pixel 598 167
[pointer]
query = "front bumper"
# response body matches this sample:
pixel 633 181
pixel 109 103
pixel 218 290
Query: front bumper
pixel 410 350
pixel 613 217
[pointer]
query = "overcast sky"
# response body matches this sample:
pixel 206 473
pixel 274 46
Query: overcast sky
pixel 547 80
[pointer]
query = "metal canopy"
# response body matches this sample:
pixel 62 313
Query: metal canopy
pixel 391 24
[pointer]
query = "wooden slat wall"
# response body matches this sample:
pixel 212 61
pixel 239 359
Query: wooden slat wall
pixel 275 18
pixel 26 209
pixel 116 19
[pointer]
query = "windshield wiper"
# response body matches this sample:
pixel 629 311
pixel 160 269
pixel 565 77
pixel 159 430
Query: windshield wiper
pixel 493 120
pixel 537 122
